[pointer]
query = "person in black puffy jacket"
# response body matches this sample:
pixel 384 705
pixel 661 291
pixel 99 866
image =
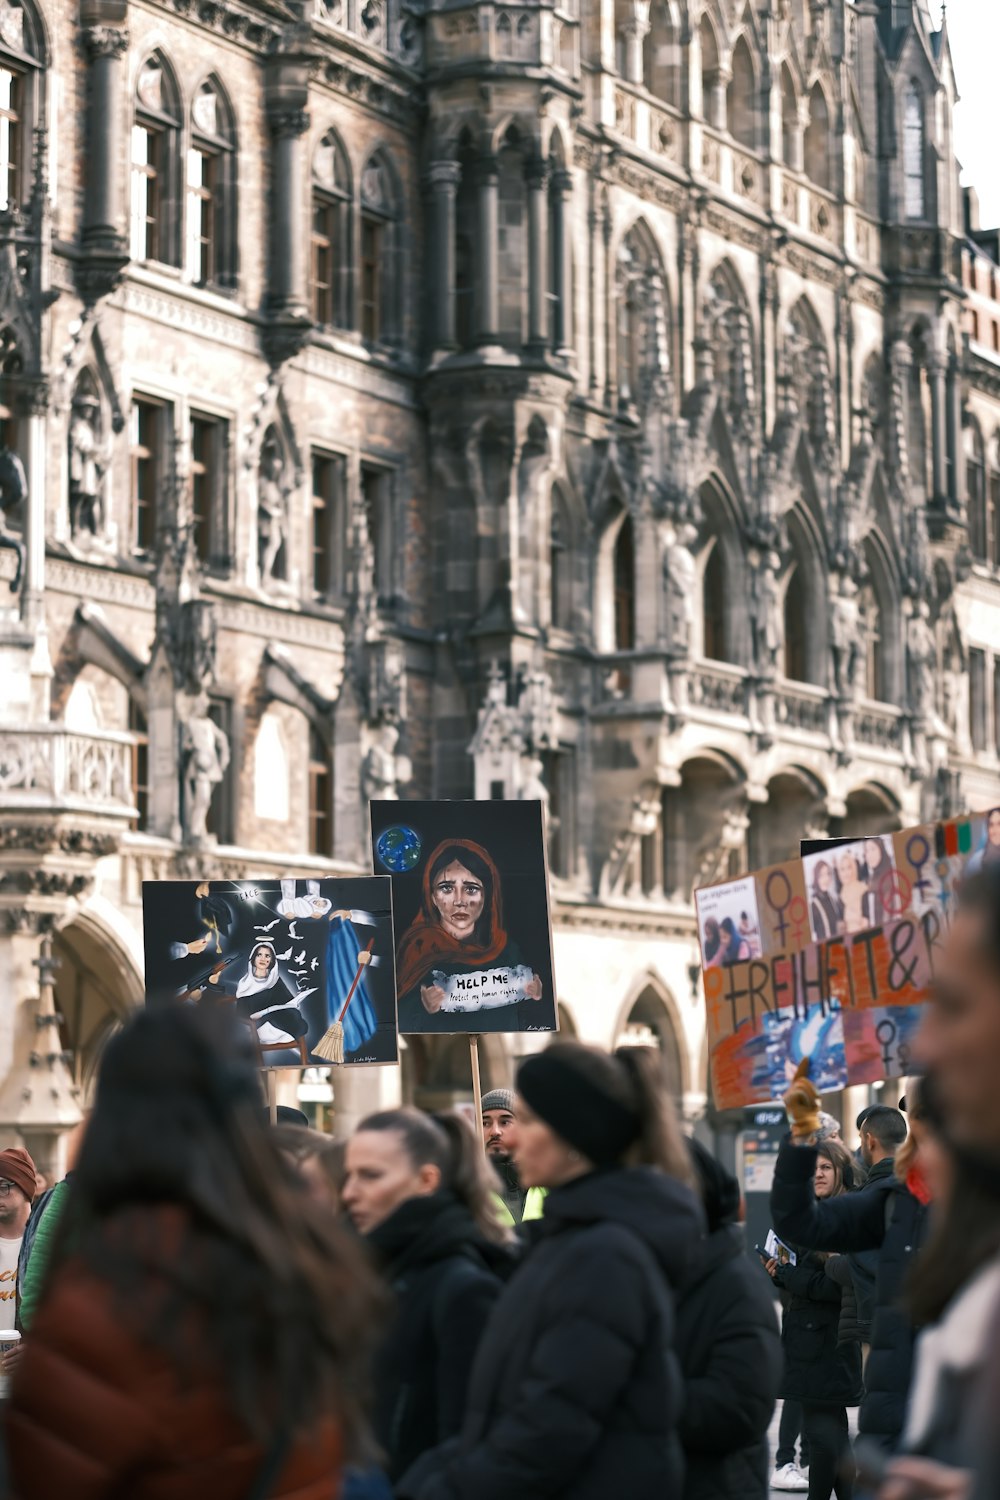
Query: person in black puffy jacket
pixel 821 1372
pixel 576 1390
pixel 730 1352
pixel 418 1191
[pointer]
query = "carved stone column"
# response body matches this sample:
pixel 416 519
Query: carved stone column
pixel 562 262
pixel 537 255
pixel 955 446
pixel 938 383
pixel 636 32
pixel 488 313
pixel 105 246
pixel 443 179
pixel 288 292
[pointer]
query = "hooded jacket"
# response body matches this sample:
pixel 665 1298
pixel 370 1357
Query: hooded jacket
pixel 730 1353
pixel 576 1390
pixel 445 1277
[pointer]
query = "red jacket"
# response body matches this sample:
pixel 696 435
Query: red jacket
pixel 95 1413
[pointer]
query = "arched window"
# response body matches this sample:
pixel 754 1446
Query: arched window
pixel 21 111
pixel 913 154
pixel 211 207
pixel 711 93
pixel 818 164
pixel 878 624
pixel 512 259
pixel 624 584
pixel 975 472
pixel 379 280
pixel 331 234
pixel 662 54
pixel 714 643
pixel 156 132
pixel 643 336
pixel 560 565
pixel 795 610
pixel 790 134
pixel 741 98
pixel 320 795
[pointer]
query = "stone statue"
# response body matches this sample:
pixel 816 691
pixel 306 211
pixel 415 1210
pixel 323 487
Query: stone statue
pixel 921 661
pixel 533 788
pixel 680 583
pixel 86 469
pixel 382 770
pixel 766 621
pixel 204 759
pixel 13 493
pixel 845 640
pixel 272 510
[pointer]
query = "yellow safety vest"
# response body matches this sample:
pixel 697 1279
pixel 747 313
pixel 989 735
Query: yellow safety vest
pixel 534 1207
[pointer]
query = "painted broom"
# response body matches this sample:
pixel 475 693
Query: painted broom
pixel 331 1045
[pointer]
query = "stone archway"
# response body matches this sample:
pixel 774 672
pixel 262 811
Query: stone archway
pixel 97 984
pixel 647 1022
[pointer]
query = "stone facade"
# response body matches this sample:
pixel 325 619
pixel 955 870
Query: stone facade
pixel 605 393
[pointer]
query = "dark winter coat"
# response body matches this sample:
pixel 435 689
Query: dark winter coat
pixel 729 1346
pixel 861 1221
pixel 444 1276
pixel 864 1263
pixel 576 1391
pixel 819 1370
pixel 849 1329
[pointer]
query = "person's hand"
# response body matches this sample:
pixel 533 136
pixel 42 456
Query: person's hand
pixel 10 1357
pixel 201 891
pixel 365 958
pixel 802 1103
pixel 214 978
pixel 771 1267
pixel 199 945
pixel 432 998
pixel 923 1479
pixel 533 989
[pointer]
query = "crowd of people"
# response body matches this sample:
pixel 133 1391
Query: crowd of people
pixel 558 1308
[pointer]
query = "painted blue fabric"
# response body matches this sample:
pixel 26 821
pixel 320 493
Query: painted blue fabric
pixel 342 949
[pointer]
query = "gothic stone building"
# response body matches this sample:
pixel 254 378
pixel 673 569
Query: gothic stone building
pixel 604 394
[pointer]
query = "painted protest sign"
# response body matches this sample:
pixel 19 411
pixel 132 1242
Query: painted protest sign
pixel 302 962
pixel 830 957
pixel 473 932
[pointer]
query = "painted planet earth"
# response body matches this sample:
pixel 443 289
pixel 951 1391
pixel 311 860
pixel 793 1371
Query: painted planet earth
pixel 399 849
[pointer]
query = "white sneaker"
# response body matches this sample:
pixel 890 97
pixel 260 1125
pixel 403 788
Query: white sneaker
pixel 788 1477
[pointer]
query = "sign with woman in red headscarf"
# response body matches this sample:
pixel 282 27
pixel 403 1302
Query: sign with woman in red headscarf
pixel 470 901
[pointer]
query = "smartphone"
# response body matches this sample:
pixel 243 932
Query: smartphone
pixel 762 1253
pixel 871 1461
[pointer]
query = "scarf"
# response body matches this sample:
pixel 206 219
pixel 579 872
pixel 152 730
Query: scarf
pixel 917 1185
pixel 425 945
pixel 250 984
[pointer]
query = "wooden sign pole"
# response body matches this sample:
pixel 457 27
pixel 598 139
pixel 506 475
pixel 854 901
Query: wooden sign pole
pixel 477 1088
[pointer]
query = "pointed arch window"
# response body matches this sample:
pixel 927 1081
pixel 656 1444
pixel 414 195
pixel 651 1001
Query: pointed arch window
pixel 818 162
pixel 624 586
pixel 712 95
pixel 560 565
pixel 795 631
pixel 741 98
pixel 713 606
pixel 379 268
pixel 331 234
pixel 790 130
pixel 211 190
pixel 975 478
pixel 662 54
pixel 320 795
pixel 156 131
pixel 913 154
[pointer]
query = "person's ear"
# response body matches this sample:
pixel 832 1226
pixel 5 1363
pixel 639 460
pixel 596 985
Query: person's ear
pixel 429 1177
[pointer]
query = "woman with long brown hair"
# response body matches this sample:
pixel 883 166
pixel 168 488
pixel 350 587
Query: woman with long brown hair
pixel 203 1326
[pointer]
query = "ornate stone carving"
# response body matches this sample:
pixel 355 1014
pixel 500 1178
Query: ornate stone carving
pixel 204 760
pixel 273 490
pixel 13 496
pixel 383 771
pixel 105 41
pixel 680 587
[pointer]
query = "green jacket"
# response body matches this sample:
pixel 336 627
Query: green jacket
pixel 534 1207
pixel 31 1273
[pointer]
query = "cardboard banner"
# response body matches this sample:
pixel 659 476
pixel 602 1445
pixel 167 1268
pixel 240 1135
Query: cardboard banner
pixel 300 960
pixel 830 956
pixel 471 903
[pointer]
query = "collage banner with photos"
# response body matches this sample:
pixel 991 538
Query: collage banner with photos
pixel 830 957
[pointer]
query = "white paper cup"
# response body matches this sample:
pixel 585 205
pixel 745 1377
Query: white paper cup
pixel 8 1338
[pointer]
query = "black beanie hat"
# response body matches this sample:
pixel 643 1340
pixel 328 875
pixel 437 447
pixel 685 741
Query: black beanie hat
pixel 586 1097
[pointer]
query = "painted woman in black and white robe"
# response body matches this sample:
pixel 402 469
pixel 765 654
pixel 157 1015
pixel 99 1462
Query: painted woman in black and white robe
pixel 263 997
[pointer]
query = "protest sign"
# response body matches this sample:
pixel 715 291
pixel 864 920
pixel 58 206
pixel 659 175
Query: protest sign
pixel 830 957
pixel 308 964
pixel 473 933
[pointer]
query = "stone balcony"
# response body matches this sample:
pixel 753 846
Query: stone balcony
pixel 49 769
